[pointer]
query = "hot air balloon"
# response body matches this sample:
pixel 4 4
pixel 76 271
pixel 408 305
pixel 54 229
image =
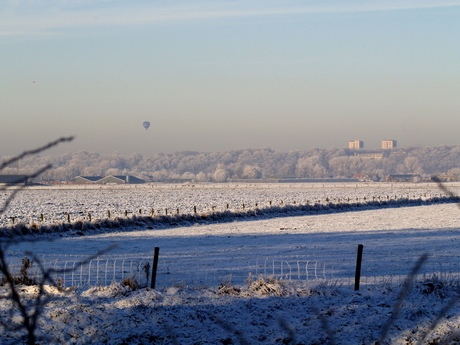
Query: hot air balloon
pixel 146 125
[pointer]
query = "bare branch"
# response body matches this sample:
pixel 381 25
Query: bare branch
pixel 405 290
pixel 34 175
pixel 29 313
pixel 439 318
pixel 445 189
pixel 15 191
pixel 35 151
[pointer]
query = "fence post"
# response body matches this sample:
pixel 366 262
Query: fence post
pixel 359 259
pixel 154 267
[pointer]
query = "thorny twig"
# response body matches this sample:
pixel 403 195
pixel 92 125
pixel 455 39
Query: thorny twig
pixel 442 187
pixel 405 290
pixel 35 151
pixel 40 171
pixel 29 312
pixel 15 191
pixel 438 319
pixel 29 315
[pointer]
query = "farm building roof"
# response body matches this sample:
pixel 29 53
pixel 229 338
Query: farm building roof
pixel 85 179
pixel 13 179
pixel 121 179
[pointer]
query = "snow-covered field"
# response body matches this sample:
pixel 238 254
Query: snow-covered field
pixel 56 203
pixel 226 308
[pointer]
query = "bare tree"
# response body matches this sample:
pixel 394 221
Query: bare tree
pixel 29 311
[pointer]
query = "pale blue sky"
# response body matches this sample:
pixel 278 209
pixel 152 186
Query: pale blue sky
pixel 227 75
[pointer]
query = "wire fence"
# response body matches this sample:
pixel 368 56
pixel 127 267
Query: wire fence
pixel 194 271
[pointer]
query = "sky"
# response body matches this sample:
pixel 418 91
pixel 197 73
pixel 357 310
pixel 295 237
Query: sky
pixel 222 75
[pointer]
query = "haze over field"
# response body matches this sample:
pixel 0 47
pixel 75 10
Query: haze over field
pixel 228 75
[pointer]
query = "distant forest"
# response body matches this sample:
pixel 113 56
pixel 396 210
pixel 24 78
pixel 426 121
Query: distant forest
pixel 247 164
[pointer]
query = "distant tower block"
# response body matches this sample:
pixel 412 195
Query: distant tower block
pixel 388 144
pixel 355 144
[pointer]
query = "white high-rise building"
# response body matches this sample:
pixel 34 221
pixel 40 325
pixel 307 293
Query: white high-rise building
pixel 388 144
pixel 355 144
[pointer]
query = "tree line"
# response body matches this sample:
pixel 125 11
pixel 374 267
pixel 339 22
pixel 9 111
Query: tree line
pixel 245 164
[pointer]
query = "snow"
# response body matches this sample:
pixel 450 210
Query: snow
pixel 55 203
pixel 217 308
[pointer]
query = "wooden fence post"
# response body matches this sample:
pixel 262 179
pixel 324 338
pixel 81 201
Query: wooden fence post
pixel 154 267
pixel 359 259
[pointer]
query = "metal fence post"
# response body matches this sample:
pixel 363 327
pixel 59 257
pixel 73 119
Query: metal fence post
pixel 154 267
pixel 359 259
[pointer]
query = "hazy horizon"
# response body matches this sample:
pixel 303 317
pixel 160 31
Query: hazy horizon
pixel 217 77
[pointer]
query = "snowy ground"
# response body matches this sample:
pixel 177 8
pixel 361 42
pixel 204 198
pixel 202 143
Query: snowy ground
pixel 267 311
pixel 57 203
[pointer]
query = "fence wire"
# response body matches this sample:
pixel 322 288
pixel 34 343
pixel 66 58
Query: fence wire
pixel 194 271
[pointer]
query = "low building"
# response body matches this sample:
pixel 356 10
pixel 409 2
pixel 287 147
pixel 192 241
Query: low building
pixel 120 179
pixel 13 180
pixel 369 155
pixel 85 179
pixel 115 179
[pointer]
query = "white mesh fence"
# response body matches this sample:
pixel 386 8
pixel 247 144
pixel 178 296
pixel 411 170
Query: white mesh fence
pixel 206 270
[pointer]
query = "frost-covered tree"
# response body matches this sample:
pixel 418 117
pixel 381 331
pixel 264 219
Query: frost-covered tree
pixel 201 177
pixel 252 172
pixel 188 176
pixel 221 174
pixel 248 163
pixel 412 165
